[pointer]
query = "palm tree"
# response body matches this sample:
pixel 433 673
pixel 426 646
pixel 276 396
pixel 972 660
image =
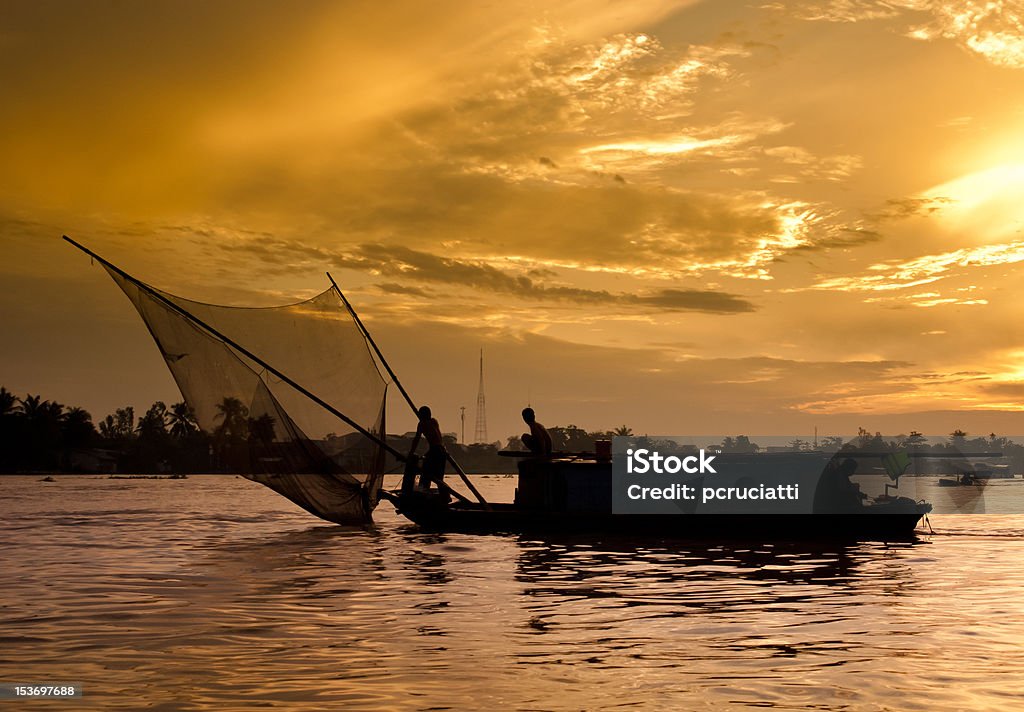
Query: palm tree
pixel 914 439
pixel 233 416
pixel 154 422
pixel 120 425
pixel 77 431
pixel 10 431
pixel 231 435
pixel 182 420
pixel 958 438
pixel 108 429
pixel 30 405
pixel 622 431
pixel 77 426
pixel 7 402
pixel 42 416
pixel 42 422
pixel 261 429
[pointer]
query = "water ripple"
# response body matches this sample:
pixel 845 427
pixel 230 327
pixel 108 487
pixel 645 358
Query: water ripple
pixel 216 594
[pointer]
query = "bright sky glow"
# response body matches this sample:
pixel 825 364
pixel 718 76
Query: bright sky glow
pixel 687 216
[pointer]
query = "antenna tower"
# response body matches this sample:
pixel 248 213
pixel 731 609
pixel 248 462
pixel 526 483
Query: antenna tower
pixel 481 410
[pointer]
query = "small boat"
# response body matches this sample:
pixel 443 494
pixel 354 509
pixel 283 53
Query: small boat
pixel 574 495
pixel 963 479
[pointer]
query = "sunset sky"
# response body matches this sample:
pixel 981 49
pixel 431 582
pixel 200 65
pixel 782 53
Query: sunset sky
pixel 706 217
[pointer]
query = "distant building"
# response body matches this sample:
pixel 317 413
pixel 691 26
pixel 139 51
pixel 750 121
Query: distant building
pixel 94 460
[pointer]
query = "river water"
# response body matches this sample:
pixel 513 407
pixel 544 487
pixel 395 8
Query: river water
pixel 213 593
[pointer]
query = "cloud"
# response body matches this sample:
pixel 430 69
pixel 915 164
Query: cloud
pixel 561 147
pixel 692 300
pixel 394 288
pixel 900 208
pixel 993 30
pixel 279 256
pixel 585 220
pixel 416 265
pixel 809 165
pixel 623 79
pixel 656 147
pixel 846 10
pixel 1014 391
pixel 842 237
pixel 886 276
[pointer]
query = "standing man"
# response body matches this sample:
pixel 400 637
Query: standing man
pixel 433 461
pixel 537 441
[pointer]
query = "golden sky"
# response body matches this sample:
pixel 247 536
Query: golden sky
pixel 707 217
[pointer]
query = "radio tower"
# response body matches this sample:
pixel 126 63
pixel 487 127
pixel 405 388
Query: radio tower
pixel 481 408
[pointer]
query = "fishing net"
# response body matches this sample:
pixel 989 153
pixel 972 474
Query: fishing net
pixel 262 426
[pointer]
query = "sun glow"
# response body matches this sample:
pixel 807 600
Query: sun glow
pixel 985 206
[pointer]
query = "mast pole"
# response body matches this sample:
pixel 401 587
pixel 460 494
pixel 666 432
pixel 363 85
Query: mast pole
pixel 238 347
pixel 401 388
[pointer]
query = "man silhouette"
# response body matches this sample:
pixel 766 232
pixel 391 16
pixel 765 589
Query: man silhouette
pixel 433 461
pixel 537 440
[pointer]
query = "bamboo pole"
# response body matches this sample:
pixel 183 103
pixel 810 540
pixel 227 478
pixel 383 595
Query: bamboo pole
pixel 401 388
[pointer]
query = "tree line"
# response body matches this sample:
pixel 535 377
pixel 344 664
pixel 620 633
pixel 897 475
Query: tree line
pixel 571 438
pixel 38 435
pixel 42 435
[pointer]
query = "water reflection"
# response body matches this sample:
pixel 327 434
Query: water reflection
pixel 645 572
pixel 178 607
pixel 426 565
pixel 707 611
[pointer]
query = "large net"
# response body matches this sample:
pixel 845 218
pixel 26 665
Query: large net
pixel 272 431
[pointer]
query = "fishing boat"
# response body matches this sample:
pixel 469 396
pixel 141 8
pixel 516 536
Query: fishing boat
pixel 963 479
pixel 574 495
pixel 270 383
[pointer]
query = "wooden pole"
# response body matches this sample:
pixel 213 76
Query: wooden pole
pixel 408 399
pixel 241 349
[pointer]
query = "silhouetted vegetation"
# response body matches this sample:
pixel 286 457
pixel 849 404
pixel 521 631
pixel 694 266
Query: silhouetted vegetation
pixel 42 435
pixel 39 435
pixel 572 438
pixel 957 453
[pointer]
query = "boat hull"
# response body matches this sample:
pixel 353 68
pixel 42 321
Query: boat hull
pixel 895 523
